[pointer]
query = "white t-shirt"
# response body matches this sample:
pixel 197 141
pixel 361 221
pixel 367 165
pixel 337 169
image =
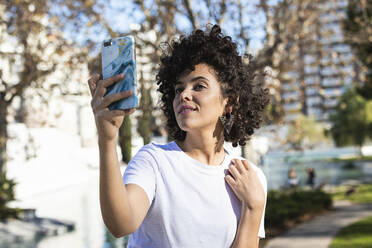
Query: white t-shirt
pixel 191 203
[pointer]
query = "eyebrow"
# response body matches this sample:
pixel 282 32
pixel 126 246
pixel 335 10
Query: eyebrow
pixel 194 79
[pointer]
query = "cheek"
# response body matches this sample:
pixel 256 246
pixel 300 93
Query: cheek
pixel 174 105
pixel 213 102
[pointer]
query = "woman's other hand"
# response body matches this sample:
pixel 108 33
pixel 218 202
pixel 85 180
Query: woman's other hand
pixel 244 181
pixel 107 121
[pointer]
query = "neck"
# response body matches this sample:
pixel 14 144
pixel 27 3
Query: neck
pixel 206 148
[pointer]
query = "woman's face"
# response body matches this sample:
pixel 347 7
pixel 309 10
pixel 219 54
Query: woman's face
pixel 198 100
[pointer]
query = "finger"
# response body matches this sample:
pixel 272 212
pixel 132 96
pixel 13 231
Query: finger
pixel 110 114
pixel 109 81
pixel 230 180
pixel 103 84
pixel 234 171
pixel 239 165
pixel 115 97
pixel 115 113
pixel 232 183
pixel 246 164
pixel 92 82
pixel 100 92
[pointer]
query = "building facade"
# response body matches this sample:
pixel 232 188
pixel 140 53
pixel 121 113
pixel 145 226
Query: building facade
pixel 324 66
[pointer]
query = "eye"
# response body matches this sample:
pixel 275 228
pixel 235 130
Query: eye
pixel 199 86
pixel 178 90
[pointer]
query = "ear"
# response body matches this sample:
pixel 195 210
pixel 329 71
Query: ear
pixel 228 109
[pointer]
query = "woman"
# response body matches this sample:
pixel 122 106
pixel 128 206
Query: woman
pixel 190 192
pixel 292 178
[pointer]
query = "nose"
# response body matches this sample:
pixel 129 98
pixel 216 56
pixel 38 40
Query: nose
pixel 185 95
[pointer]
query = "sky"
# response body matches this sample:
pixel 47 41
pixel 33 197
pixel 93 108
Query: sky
pixel 121 14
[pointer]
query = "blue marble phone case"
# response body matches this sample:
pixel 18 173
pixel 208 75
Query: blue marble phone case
pixel 118 56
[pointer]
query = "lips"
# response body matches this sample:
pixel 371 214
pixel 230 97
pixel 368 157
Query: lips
pixel 186 108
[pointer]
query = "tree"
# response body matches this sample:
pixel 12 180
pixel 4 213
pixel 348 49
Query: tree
pixel 352 122
pixel 35 54
pixel 288 32
pixel 144 121
pixel 291 28
pixel 305 132
pixel 146 61
pixel 125 139
pixel 358 32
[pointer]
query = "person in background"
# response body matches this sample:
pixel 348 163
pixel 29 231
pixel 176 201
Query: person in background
pixel 190 192
pixel 292 178
pixel 310 177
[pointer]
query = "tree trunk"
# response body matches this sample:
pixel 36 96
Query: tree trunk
pixel 301 71
pixel 3 132
pixel 146 105
pixel 244 155
pixel 144 121
pixel 125 139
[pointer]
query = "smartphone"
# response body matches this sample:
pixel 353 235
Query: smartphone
pixel 118 56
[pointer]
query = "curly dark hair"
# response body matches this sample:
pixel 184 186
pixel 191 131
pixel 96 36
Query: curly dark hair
pixel 248 100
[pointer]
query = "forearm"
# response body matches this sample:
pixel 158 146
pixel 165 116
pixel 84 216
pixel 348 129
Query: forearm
pixel 115 205
pixel 247 233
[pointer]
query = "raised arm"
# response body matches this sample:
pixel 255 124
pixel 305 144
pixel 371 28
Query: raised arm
pixel 123 207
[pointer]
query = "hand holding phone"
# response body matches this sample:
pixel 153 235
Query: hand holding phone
pixel 118 57
pixel 107 121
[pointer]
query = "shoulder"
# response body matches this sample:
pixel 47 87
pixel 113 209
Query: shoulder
pixel 156 147
pixel 258 170
pixel 154 150
pixel 252 165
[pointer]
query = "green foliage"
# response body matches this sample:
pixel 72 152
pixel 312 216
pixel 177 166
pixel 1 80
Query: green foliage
pixel 362 194
pixel 352 122
pixel 6 195
pixel 352 159
pixel 358 234
pixel 125 139
pixel 283 207
pixel 112 242
pixel 305 132
pixel 274 112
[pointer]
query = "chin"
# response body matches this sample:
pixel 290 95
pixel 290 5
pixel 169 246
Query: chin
pixel 184 128
pixel 187 127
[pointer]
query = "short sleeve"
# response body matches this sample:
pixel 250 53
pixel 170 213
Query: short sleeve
pixel 140 171
pixel 262 178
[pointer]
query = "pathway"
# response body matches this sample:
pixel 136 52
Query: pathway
pixel 320 231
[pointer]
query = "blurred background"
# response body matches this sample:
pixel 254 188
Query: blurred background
pixel 317 56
